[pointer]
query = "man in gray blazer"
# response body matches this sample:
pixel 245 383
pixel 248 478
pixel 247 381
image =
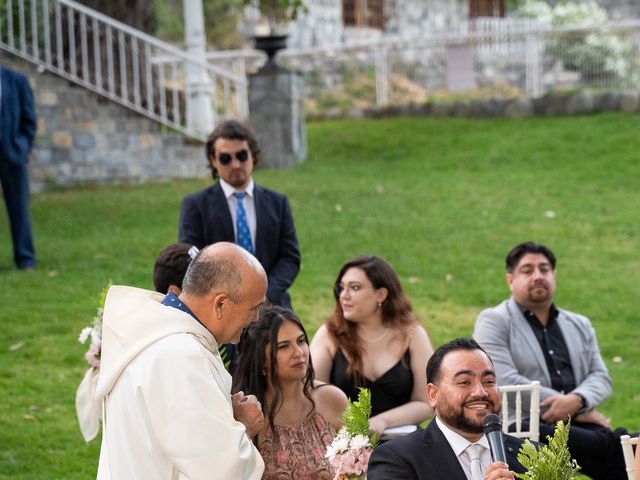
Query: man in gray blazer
pixel 529 338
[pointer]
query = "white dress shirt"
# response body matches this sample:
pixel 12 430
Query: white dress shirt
pixel 459 444
pixel 249 204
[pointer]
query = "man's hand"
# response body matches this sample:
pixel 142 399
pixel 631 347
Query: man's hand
pixel 248 411
pixel 593 416
pixel 559 407
pixel 498 470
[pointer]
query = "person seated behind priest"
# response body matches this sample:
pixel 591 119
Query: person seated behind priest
pixel 301 414
pixel 170 267
pixel 374 340
pixel 462 389
pixel 530 338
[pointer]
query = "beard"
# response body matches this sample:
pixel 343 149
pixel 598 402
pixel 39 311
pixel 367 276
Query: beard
pixel 539 293
pixel 463 420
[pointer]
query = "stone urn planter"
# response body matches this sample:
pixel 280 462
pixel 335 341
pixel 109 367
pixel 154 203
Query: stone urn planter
pixel 270 44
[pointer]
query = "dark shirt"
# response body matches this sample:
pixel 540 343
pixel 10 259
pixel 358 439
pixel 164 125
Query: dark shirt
pixel 554 349
pixel 172 300
pixel 392 389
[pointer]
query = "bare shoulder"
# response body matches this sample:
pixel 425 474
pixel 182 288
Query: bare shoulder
pixel 321 335
pixel 330 401
pixel 329 394
pixel 420 341
pixel 323 340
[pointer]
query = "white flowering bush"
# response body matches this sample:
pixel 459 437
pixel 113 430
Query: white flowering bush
pixel 594 53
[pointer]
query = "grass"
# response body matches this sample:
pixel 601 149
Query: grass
pixel 442 199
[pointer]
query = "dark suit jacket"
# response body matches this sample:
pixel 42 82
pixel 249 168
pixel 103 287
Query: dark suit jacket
pixel 426 455
pixel 205 219
pixel 17 118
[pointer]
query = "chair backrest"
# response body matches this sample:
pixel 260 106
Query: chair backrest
pixel 627 449
pixel 512 398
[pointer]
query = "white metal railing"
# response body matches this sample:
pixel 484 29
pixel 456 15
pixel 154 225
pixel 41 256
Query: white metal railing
pixel 497 58
pixel 118 62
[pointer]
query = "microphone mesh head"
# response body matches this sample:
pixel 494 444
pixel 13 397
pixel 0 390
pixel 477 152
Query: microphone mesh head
pixel 492 423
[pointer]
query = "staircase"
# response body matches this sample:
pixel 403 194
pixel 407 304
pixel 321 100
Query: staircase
pixel 122 64
pixel 112 102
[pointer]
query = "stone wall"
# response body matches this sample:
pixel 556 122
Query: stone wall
pixel 84 138
pixel 322 23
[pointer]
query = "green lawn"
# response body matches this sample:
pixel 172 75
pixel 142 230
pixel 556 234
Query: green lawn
pixel 442 199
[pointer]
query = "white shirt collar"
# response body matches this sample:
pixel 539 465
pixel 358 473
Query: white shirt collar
pixel 458 443
pixel 229 189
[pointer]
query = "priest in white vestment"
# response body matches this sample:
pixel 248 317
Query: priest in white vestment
pixel 166 396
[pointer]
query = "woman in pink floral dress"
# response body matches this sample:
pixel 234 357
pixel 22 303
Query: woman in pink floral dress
pixel 301 414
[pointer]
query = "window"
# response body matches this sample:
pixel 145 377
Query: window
pixel 486 8
pixel 363 13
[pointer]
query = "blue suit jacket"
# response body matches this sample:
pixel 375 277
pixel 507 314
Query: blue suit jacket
pixel 427 455
pixel 17 118
pixel 205 219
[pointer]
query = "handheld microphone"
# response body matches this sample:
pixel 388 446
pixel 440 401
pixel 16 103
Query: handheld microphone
pixel 492 427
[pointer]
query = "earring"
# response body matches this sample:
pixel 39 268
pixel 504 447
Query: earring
pixel 379 304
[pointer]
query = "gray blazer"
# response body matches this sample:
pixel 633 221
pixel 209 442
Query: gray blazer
pixel 508 339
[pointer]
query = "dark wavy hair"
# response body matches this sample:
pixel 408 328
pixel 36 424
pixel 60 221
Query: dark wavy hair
pixel 233 130
pixel 396 310
pixel 252 376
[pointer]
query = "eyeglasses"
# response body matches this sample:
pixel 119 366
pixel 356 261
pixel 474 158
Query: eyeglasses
pixel 339 288
pixel 241 156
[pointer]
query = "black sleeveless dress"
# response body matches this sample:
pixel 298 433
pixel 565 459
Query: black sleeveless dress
pixel 392 389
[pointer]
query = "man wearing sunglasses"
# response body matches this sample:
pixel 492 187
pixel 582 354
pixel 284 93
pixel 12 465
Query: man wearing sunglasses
pixel 235 209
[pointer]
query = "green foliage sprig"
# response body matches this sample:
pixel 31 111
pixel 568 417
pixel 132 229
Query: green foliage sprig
pixel 355 419
pixel 551 462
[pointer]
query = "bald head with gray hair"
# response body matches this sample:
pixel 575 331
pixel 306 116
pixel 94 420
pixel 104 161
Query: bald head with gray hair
pixel 219 267
pixel 224 287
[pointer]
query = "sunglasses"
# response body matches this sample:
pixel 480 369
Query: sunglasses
pixel 241 156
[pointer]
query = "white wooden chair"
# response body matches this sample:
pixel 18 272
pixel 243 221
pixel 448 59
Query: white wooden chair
pixel 627 449
pixel 512 401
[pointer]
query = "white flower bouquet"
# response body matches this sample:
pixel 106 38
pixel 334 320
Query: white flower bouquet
pixel 94 332
pixel 87 408
pixel 349 452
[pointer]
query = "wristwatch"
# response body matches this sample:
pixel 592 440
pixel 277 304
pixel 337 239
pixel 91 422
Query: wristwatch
pixel 583 402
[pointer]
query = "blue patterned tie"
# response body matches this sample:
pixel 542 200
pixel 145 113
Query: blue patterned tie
pixel 242 225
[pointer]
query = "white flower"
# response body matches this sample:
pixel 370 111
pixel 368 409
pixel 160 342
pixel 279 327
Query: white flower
pixel 331 452
pixel 95 336
pixel 341 442
pixel 84 334
pixel 359 441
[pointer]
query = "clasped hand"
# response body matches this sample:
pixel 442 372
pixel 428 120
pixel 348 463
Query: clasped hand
pixel 248 411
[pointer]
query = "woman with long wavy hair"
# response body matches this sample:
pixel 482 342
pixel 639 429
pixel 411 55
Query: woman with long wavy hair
pixel 301 414
pixel 374 340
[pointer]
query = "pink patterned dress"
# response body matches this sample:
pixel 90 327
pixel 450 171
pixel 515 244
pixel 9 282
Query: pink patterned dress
pixel 299 454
